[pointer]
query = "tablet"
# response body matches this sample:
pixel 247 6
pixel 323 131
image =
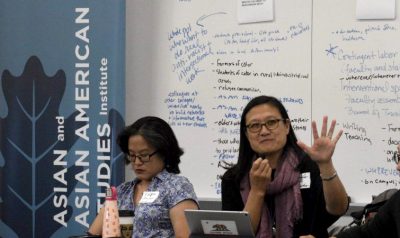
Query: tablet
pixel 217 223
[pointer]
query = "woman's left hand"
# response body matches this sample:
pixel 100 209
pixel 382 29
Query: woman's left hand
pixel 324 145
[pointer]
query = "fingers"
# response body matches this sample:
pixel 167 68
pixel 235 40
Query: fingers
pixel 261 169
pixel 324 130
pixel 260 166
pixel 256 165
pixel 337 137
pixel 331 129
pixel 314 130
pixel 324 126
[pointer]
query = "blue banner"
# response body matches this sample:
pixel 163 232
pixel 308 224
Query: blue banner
pixel 62 104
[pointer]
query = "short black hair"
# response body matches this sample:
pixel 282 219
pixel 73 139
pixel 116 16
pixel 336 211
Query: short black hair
pixel 160 135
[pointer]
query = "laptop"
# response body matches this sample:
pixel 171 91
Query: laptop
pixel 218 224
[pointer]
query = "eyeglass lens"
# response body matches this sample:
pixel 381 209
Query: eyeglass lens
pixel 269 124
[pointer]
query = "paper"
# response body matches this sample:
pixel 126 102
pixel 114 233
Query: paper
pixel 249 11
pixel 149 197
pixel 305 180
pixel 375 9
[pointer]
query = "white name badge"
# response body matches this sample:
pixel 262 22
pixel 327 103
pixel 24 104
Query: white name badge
pixel 149 197
pixel 305 180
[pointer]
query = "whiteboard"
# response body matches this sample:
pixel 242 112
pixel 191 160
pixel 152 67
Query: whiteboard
pixel 190 63
pixel 356 75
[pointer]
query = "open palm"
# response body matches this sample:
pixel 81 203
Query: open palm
pixel 324 145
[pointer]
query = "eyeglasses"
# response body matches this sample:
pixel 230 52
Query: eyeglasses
pixel 142 158
pixel 270 124
pixel 396 157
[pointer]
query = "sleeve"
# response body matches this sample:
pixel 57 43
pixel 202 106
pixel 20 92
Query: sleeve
pixel 386 223
pixel 353 232
pixel 328 219
pixel 373 229
pixel 316 215
pixel 181 190
pixel 230 194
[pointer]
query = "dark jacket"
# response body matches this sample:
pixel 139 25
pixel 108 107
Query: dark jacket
pixel 386 223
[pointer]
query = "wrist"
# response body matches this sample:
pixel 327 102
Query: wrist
pixel 328 177
pixel 257 193
pixel 326 167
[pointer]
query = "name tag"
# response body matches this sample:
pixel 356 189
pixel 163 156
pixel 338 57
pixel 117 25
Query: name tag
pixel 149 197
pixel 305 180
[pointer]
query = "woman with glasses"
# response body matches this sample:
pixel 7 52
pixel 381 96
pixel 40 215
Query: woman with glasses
pixel 158 196
pixel 288 188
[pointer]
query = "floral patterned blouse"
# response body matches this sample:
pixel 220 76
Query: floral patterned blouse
pixel 152 218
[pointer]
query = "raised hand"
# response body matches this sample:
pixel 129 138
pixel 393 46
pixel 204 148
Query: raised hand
pixel 324 145
pixel 321 152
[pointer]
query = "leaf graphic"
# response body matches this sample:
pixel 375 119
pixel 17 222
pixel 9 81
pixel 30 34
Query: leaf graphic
pixel 28 140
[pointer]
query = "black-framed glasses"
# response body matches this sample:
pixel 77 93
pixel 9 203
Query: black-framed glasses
pixel 143 158
pixel 270 124
pixel 396 157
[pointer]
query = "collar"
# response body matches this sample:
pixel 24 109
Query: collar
pixel 163 175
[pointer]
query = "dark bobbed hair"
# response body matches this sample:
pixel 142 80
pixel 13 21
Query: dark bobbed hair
pixel 160 135
pixel 246 153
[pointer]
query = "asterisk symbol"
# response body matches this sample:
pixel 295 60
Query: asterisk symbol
pixel 331 50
